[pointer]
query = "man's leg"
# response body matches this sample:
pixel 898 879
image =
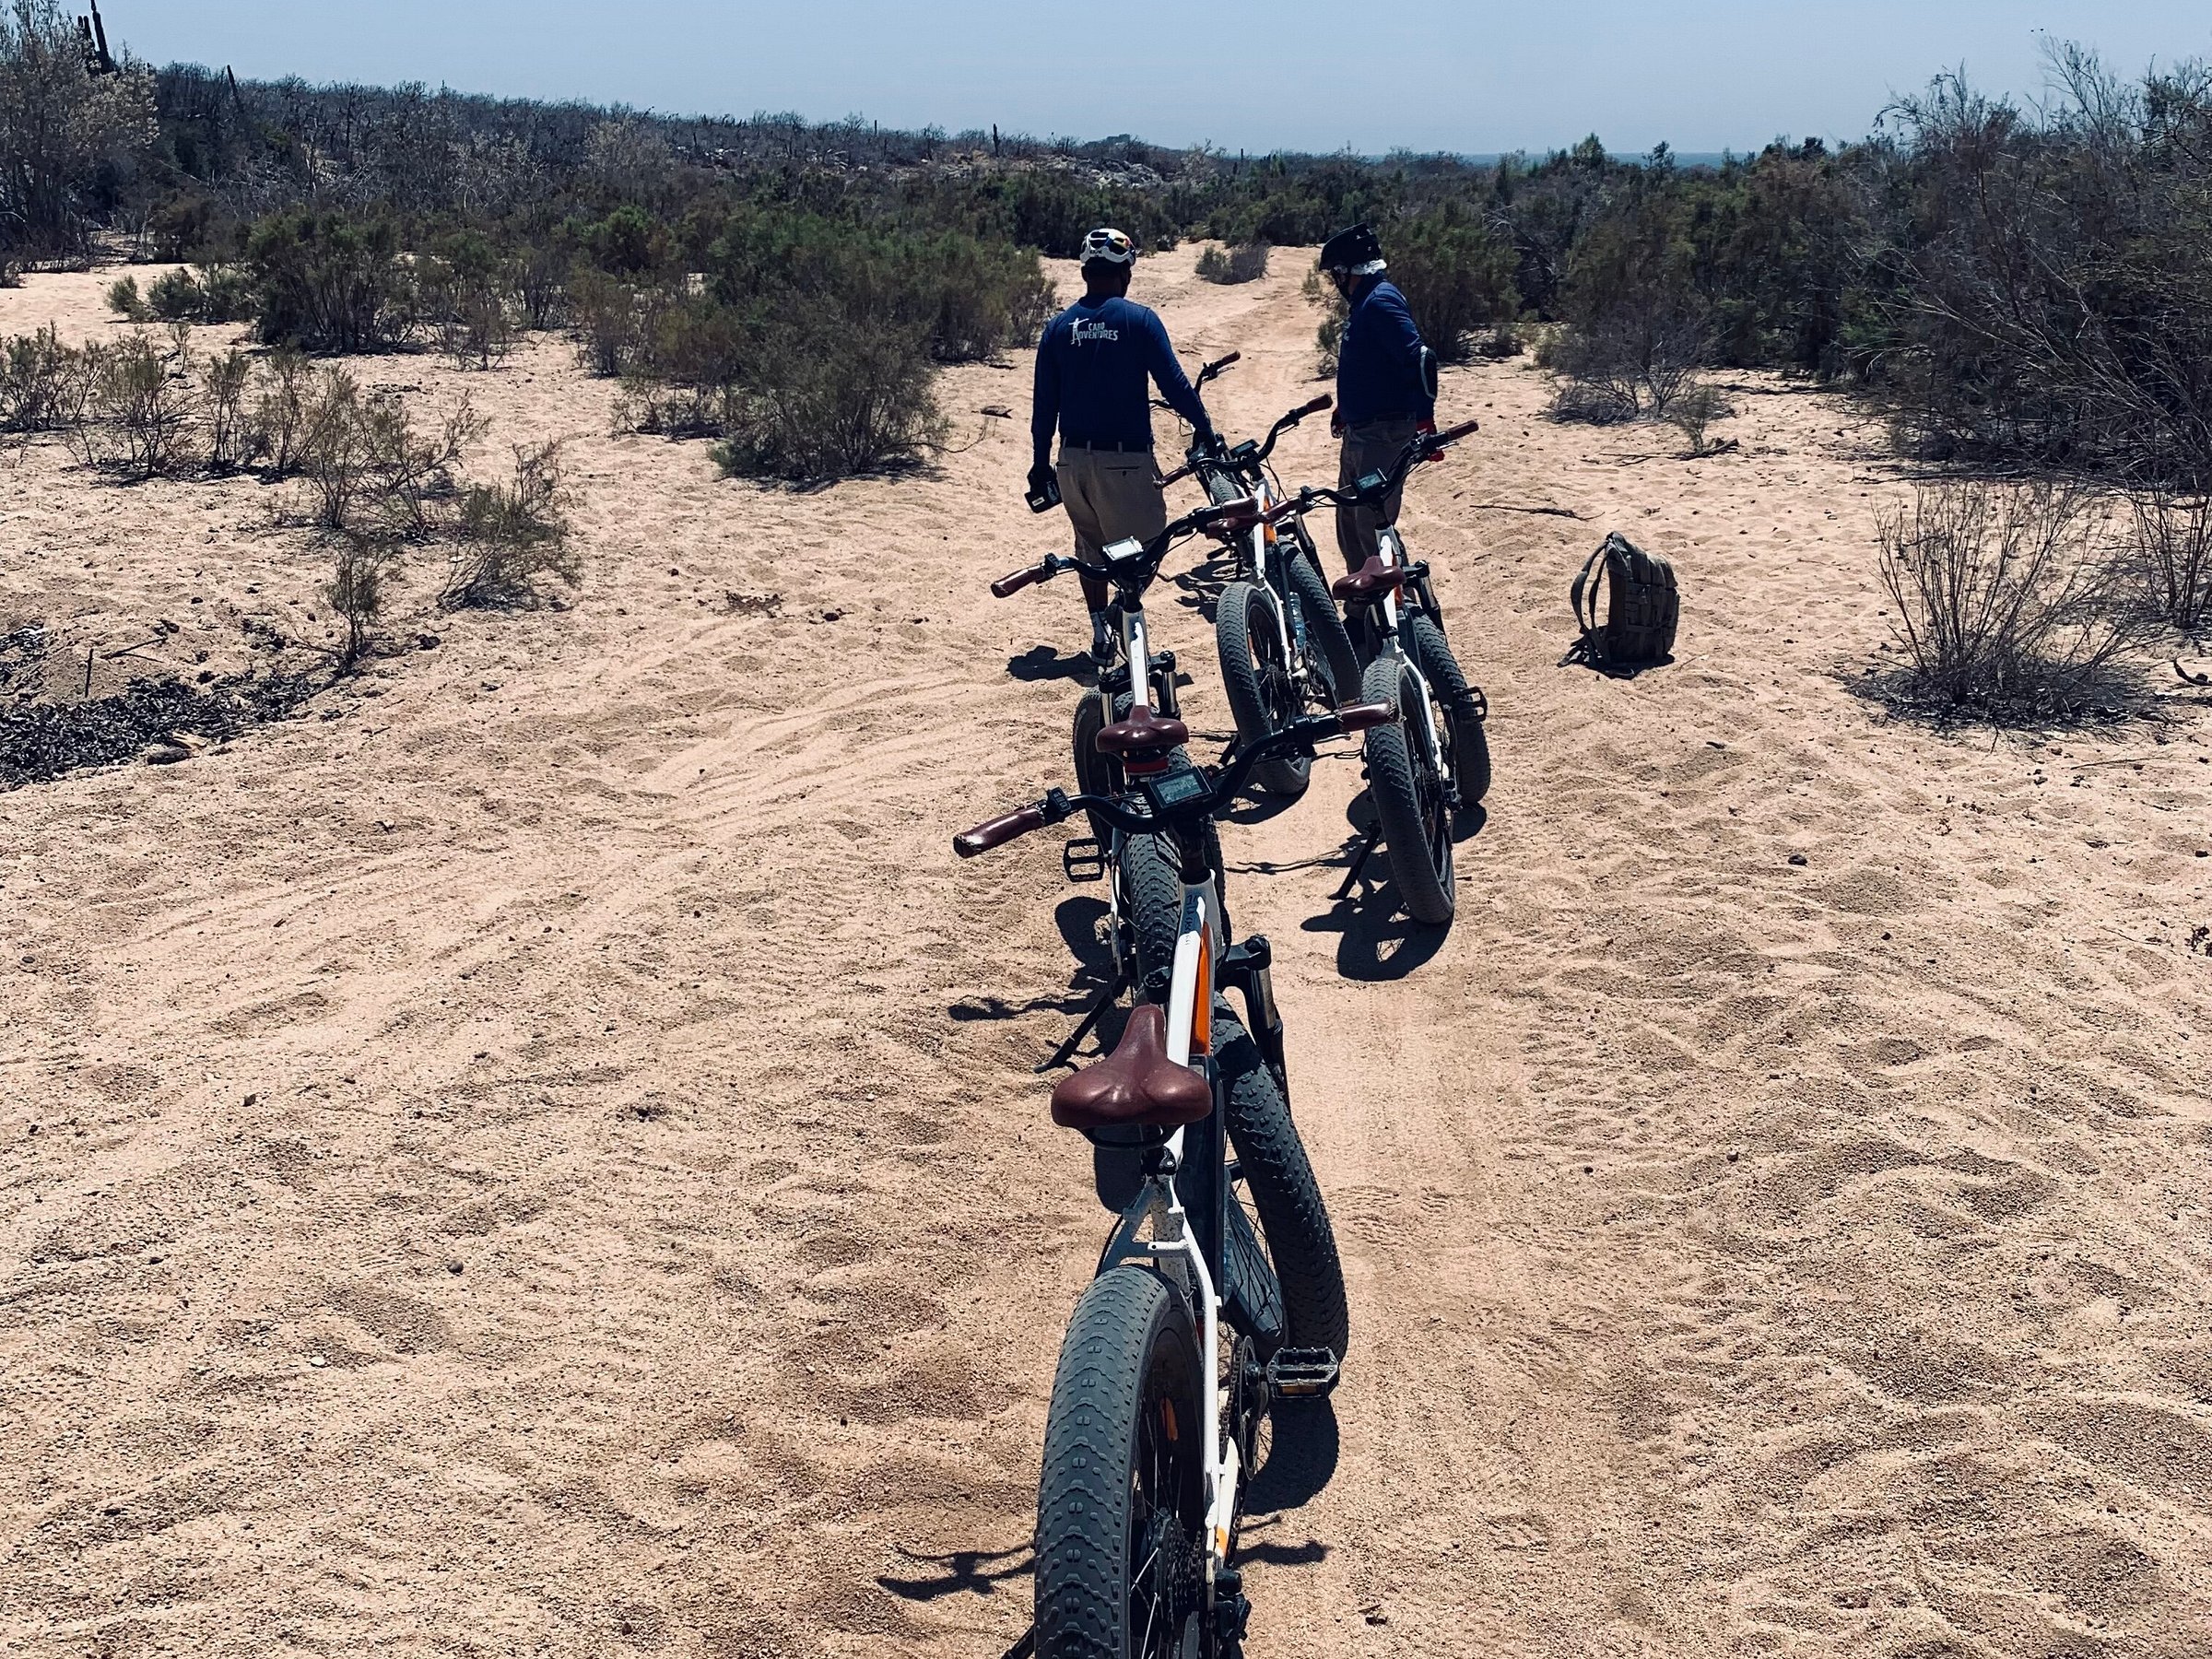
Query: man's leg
pixel 1077 471
pixel 1368 448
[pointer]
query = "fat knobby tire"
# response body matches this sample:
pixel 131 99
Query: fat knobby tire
pixel 1125 1323
pixel 1242 615
pixel 1425 890
pixel 1326 634
pixel 1470 738
pixel 1280 1180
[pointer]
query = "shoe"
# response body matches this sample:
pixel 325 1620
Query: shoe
pixel 1102 638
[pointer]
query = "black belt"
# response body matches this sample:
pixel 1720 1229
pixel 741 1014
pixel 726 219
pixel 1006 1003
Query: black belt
pixel 1117 449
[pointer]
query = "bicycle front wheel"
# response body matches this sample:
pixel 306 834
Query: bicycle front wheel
pixel 1121 1504
pixel 1409 796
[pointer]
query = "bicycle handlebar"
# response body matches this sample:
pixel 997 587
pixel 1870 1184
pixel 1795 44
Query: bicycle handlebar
pixel 998 831
pixel 1244 509
pixel 1224 784
pixel 1426 447
pixel 1222 454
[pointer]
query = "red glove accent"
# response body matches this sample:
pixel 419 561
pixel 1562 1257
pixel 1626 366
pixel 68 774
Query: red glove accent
pixel 1426 428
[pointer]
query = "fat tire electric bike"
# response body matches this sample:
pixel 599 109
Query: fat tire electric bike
pixel 1204 1315
pixel 1142 890
pixel 1434 762
pixel 1282 645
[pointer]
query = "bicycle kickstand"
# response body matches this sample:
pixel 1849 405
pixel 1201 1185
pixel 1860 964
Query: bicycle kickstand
pixel 1097 1011
pixel 1368 840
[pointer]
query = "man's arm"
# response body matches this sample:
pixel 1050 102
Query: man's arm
pixel 1045 401
pixel 1174 385
pixel 1388 313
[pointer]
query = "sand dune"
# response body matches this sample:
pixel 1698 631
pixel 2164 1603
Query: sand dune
pixel 540 1154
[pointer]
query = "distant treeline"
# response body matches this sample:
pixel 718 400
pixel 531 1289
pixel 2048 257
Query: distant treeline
pixel 2021 288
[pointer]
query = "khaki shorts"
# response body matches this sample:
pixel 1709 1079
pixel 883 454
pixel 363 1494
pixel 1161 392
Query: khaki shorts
pixel 1109 496
pixel 1368 448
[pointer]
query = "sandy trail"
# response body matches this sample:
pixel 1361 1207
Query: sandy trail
pixel 539 1154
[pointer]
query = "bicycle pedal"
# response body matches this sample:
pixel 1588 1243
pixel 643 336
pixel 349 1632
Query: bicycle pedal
pixel 1301 1374
pixel 1084 859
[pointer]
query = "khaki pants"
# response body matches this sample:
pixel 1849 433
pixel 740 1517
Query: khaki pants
pixel 1368 448
pixel 1110 495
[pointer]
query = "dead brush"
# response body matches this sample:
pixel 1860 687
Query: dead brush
pixel 143 412
pixel 2010 600
pixel 44 387
pixel 509 537
pixel 362 570
pixel 2173 537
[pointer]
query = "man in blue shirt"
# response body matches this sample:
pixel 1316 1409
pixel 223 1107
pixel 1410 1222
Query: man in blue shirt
pixel 1095 368
pixel 1386 383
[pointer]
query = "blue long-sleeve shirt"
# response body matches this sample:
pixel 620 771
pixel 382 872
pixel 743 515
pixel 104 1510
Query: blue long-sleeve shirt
pixel 1378 360
pixel 1092 366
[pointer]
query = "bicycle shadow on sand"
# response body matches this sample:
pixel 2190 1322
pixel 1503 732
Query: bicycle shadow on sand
pixel 961 1572
pixel 1377 940
pixel 1078 918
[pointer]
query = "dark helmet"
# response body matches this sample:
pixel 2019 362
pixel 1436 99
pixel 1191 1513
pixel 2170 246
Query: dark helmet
pixel 1350 250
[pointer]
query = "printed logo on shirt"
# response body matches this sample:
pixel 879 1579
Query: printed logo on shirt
pixel 1094 330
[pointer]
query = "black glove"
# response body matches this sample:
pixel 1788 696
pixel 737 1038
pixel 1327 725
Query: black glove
pixel 1042 474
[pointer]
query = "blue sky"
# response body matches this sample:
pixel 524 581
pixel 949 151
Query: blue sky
pixel 1295 74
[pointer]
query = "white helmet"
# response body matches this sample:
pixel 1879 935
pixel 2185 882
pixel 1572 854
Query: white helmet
pixel 1111 245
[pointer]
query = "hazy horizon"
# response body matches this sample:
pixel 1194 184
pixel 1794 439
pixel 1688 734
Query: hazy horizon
pixel 1479 81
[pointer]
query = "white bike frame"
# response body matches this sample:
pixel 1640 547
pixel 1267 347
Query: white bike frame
pixel 1392 547
pixel 1189 1030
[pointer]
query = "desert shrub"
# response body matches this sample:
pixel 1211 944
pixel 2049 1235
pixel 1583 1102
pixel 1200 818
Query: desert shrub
pixel 463 291
pixel 2173 539
pixel 2008 599
pixel 631 243
pixel 233 437
pixel 1327 337
pixel 608 318
pixel 1244 263
pixel 126 302
pixel 280 410
pixel 225 294
pixel 67 136
pixel 174 297
pixel 989 296
pixel 832 399
pixel 1694 411
pixel 2053 306
pixel 510 537
pixel 43 386
pixel 141 412
pixel 362 570
pixel 1456 273
pixel 370 473
pixel 541 283
pixel 328 283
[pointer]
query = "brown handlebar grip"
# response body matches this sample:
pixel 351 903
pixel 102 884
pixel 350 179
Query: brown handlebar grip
pixel 1176 476
pixel 998 831
pixel 1005 587
pixel 1453 434
pixel 1359 717
pixel 1220 363
pixel 1315 407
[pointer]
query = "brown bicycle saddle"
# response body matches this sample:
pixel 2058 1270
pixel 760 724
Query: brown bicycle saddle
pixel 1369 582
pixel 1136 1086
pixel 1140 731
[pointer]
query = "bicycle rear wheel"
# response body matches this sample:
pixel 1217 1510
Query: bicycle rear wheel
pixel 1121 1503
pixel 1467 731
pixel 1409 796
pixel 1262 695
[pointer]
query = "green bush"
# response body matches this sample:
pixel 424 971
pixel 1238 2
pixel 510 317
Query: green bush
pixel 329 283
pixel 1458 276
pixel 174 297
pixel 42 384
pixel 1244 263
pixel 831 397
pixel 126 302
